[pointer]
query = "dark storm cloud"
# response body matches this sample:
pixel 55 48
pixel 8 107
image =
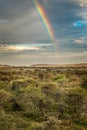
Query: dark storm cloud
pixel 19 19
pixel 10 9
pixel 20 23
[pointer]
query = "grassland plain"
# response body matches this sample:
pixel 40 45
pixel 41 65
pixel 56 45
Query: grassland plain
pixel 43 97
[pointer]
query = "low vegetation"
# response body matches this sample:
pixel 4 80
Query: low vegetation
pixel 43 98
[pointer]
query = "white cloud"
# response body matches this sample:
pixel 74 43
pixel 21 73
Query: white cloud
pixel 83 12
pixel 18 48
pixel 82 3
pixel 21 47
pixel 80 41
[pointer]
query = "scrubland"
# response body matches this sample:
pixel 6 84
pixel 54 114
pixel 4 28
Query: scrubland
pixel 43 98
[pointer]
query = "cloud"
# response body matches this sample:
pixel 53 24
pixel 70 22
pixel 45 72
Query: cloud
pixel 80 41
pixel 3 20
pixel 17 48
pixel 23 47
pixel 82 3
pixel 22 27
pixel 13 9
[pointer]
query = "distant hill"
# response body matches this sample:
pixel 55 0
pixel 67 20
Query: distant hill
pixel 59 65
pixel 47 65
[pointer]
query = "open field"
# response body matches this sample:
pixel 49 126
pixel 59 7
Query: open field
pixel 43 97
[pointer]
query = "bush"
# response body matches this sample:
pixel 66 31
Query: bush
pixel 84 84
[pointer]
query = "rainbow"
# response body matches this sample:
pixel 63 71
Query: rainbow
pixel 45 20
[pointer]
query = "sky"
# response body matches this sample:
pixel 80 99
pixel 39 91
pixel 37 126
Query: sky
pixel 28 38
